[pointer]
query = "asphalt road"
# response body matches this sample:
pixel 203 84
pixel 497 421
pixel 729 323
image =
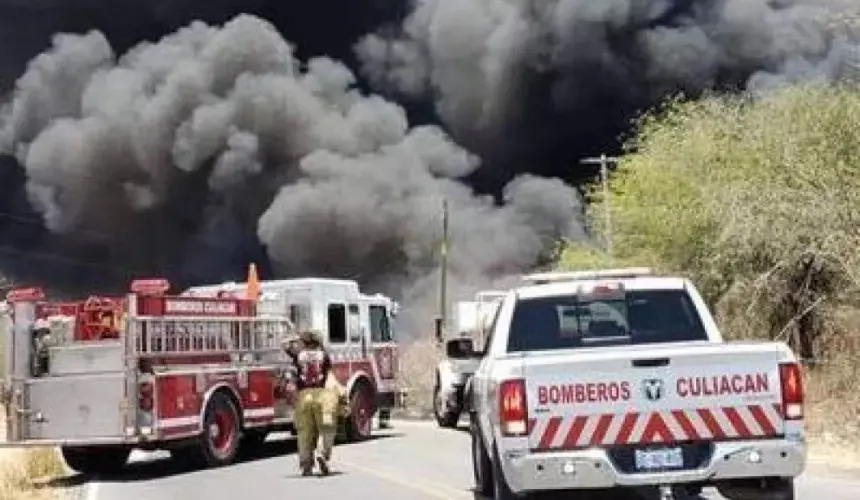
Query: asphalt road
pixel 412 461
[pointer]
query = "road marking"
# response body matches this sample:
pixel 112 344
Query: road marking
pixel 429 488
pixel 92 490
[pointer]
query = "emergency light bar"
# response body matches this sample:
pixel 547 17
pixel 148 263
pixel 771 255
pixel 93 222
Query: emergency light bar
pixel 33 294
pixel 154 286
pixel 556 277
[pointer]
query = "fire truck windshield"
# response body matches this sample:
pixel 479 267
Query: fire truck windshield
pixel 300 315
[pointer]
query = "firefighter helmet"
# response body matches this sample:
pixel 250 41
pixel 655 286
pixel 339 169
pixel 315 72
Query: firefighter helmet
pixel 311 337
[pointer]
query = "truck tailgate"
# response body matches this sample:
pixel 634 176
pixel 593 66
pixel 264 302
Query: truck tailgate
pixel 649 394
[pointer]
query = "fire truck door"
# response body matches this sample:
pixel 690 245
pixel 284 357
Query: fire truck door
pixel 383 342
pixel 357 340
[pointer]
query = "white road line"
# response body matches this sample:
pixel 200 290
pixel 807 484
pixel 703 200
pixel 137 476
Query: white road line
pixel 92 491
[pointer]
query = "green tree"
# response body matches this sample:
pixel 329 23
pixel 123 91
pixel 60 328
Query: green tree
pixel 755 199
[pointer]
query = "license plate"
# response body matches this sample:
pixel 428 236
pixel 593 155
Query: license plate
pixel 669 458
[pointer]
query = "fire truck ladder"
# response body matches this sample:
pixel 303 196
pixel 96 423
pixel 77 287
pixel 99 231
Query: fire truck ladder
pixel 177 337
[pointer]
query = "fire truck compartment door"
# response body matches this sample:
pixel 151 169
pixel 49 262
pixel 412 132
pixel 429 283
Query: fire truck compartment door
pixel 75 406
pixel 93 357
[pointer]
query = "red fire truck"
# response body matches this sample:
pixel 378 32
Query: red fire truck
pixel 202 374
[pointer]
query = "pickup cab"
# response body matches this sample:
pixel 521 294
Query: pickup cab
pixel 621 379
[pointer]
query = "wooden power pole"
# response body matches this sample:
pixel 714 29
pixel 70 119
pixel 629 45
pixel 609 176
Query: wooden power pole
pixel 604 162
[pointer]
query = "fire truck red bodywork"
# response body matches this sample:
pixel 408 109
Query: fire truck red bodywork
pixel 144 371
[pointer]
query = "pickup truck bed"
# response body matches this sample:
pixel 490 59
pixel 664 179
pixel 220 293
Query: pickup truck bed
pixel 652 394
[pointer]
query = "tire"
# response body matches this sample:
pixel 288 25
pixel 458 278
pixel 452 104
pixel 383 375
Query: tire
pixel 501 490
pixel 359 423
pixel 760 489
pixel 481 465
pixel 91 460
pixel 218 444
pixel 447 419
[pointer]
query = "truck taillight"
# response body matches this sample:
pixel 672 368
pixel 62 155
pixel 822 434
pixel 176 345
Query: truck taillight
pixel 513 412
pixel 145 396
pixel 791 382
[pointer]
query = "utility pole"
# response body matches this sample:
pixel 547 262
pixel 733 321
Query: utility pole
pixel 604 162
pixel 441 320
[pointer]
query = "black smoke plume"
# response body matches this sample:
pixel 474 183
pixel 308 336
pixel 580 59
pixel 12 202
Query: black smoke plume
pixel 534 85
pixel 170 154
pixel 191 154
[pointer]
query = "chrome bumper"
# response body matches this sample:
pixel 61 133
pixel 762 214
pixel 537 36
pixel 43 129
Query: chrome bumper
pixel 593 468
pixel 89 441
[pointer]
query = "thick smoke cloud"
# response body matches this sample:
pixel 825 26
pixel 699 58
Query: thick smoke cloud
pixel 181 156
pixel 168 151
pixel 565 76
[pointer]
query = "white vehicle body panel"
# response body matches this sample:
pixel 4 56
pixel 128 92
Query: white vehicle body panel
pixel 584 401
pixel 471 318
pixel 81 406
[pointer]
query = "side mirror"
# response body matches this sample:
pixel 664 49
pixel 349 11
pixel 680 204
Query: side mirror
pixel 460 348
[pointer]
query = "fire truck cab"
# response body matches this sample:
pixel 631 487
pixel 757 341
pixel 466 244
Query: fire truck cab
pixel 201 374
pixel 356 328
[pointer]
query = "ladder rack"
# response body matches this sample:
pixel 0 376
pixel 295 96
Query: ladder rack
pixel 175 336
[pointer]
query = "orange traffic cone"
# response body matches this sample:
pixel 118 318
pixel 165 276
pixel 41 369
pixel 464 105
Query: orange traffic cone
pixel 252 285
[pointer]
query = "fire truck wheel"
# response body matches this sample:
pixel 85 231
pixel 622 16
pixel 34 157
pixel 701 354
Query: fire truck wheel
pixel 92 460
pixel 219 442
pixel 360 420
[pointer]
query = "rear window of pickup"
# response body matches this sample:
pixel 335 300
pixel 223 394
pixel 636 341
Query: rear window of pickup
pixel 639 317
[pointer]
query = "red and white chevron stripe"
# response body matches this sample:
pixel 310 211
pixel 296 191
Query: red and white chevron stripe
pixel 670 426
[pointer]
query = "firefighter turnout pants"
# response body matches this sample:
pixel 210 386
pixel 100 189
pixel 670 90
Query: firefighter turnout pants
pixel 316 419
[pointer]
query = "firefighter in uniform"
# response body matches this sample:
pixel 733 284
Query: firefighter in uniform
pixel 316 407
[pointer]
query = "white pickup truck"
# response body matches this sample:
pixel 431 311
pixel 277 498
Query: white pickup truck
pixel 621 379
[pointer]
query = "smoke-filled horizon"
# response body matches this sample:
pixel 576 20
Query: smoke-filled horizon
pixel 154 144
pixel 176 149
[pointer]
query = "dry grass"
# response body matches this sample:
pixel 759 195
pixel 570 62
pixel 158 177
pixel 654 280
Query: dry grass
pixel 833 408
pixel 22 471
pixel 417 364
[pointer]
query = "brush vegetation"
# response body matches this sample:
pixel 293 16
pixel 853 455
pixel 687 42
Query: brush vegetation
pixel 23 473
pixel 758 201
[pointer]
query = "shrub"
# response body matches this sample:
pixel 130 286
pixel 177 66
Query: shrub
pixel 756 200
